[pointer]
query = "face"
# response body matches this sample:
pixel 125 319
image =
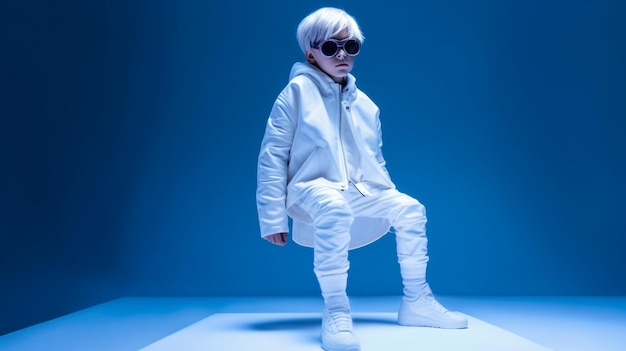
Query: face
pixel 338 66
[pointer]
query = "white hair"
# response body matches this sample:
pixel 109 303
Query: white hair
pixel 325 23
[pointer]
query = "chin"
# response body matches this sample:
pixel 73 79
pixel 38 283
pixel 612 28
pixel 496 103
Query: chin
pixel 343 73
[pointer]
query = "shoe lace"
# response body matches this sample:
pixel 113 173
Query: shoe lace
pixel 431 301
pixel 339 321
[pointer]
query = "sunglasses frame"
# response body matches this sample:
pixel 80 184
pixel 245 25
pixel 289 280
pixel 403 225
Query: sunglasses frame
pixel 340 44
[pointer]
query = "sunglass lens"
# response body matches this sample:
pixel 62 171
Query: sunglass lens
pixel 329 48
pixel 352 47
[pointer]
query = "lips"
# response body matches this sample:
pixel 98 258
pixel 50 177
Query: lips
pixel 342 65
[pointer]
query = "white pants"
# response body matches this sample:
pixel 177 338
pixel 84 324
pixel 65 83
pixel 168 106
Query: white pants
pixel 333 212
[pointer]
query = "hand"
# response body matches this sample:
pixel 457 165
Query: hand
pixel 279 239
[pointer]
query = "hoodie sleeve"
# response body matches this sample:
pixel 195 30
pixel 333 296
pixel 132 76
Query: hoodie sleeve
pixel 273 162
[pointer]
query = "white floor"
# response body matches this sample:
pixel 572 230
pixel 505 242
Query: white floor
pixel 155 324
pixel 300 331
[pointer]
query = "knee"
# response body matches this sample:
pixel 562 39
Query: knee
pixel 412 211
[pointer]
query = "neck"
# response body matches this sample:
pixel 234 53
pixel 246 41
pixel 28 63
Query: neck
pixel 343 81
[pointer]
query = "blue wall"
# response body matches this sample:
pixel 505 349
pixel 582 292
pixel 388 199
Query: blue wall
pixel 129 132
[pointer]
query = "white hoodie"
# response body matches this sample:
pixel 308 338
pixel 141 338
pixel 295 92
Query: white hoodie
pixel 302 146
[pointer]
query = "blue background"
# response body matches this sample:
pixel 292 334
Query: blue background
pixel 129 132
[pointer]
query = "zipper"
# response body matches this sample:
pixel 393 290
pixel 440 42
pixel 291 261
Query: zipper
pixel 346 181
pixel 357 189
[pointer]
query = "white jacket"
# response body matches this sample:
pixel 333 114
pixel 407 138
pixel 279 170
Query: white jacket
pixel 302 146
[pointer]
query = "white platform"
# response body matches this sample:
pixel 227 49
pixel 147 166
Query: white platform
pixel 135 323
pixel 300 331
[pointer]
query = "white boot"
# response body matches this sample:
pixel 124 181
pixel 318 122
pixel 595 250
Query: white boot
pixel 337 334
pixel 427 312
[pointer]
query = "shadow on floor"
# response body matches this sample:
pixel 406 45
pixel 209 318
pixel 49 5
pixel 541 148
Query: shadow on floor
pixel 297 323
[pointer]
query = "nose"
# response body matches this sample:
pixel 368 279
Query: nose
pixel 341 54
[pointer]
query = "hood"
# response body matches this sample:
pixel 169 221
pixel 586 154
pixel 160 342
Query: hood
pixel 325 83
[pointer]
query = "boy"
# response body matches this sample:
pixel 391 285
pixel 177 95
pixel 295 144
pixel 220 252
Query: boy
pixel 321 164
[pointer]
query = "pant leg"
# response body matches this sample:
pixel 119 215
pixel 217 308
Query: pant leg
pixel 407 216
pixel 332 218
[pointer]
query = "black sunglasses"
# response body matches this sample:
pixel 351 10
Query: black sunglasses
pixel 331 47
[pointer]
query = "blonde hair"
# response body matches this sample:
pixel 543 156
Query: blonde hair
pixel 325 23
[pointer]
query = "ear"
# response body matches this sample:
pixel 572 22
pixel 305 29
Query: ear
pixel 309 56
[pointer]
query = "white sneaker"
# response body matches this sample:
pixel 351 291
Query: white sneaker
pixel 337 332
pixel 427 312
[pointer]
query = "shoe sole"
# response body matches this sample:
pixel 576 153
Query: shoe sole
pixel 418 321
pixel 341 349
